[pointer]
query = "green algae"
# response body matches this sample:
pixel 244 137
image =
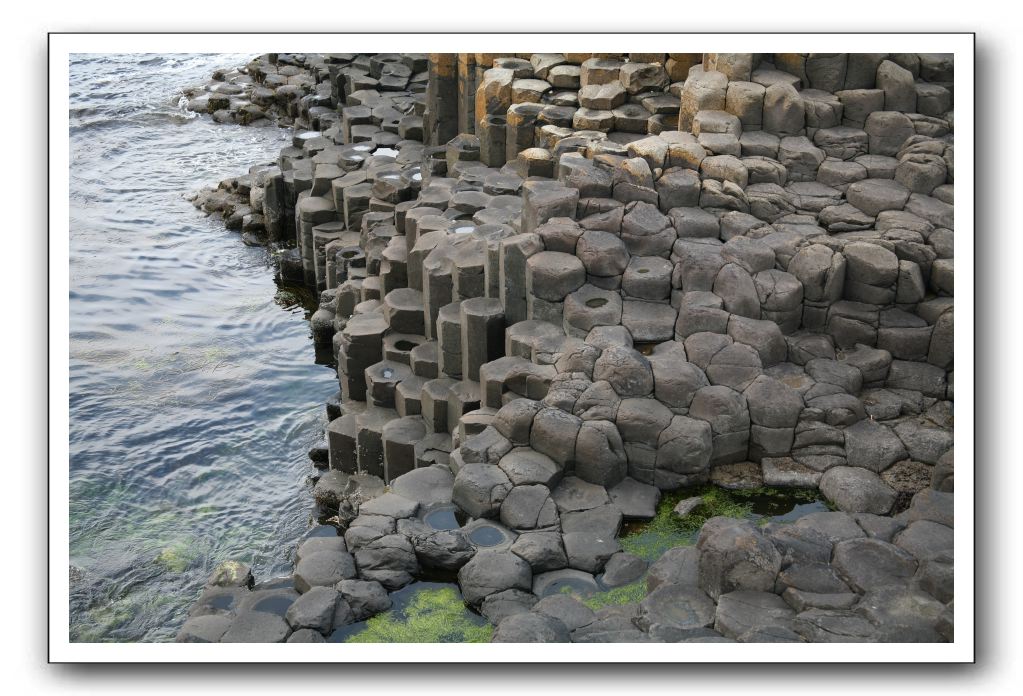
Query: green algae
pixel 649 540
pixel 178 556
pixel 626 594
pixel 667 530
pixel 102 623
pixel 433 615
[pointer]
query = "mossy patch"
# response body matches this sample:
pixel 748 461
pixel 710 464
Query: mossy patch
pixel 649 540
pixel 626 594
pixel 434 615
pixel 667 530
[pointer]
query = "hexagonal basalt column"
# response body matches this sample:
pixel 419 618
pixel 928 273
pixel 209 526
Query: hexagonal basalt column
pixel 361 346
pixel 514 253
pixel 342 434
pixel 520 128
pixel 546 201
pixel 424 360
pixel 403 309
pixel 590 306
pixel 382 379
pixel 369 439
pixel 648 278
pixel 400 437
pixel 550 277
pixel 435 403
pixel 463 397
pixel 449 339
pixel 398 347
pixel 482 334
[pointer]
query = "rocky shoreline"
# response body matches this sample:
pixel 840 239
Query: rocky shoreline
pixel 558 286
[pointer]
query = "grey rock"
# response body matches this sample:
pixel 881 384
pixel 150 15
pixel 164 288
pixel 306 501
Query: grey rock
pixel 772 403
pixel 853 489
pixel 425 485
pixel 833 526
pixel 878 526
pixel 391 505
pixel 685 447
pixel 529 507
pixel 257 627
pixel 678 606
pixel 833 626
pixel 524 466
pixel 306 635
pixel 734 555
pixel 315 609
pixel 569 610
pixel 490 572
pixel 605 520
pixel 365 598
pixel 871 445
pixel 445 549
pixel 530 628
pixel 926 540
pixel 499 606
pixel 480 488
pixel 902 611
pixel 866 564
pixel 802 601
pixel 600 455
pixel 335 544
pixel 390 560
pixel 555 433
pixel 813 577
pixel 203 629
pixel 740 612
pixel 623 568
pixel 574 494
pixel 932 505
pixel 325 568
pixel 676 566
pixel 635 500
pixel 924 443
pixel 589 551
pixel 543 551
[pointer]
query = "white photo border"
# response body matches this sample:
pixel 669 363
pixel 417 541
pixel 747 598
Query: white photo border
pixel 62 45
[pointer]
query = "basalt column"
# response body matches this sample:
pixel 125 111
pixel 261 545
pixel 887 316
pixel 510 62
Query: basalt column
pixel 441 116
pixel 467 83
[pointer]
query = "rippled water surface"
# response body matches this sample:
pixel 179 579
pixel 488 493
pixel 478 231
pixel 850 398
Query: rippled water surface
pixel 194 395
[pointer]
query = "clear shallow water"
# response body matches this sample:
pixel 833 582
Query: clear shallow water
pixel 194 395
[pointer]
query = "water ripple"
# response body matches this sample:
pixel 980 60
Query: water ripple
pixel 193 395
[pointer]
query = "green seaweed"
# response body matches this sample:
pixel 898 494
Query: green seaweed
pixel 626 594
pixel 667 530
pixel 649 540
pixel 433 616
pixel 101 623
pixel 178 556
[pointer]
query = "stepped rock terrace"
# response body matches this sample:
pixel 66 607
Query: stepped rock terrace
pixel 562 289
